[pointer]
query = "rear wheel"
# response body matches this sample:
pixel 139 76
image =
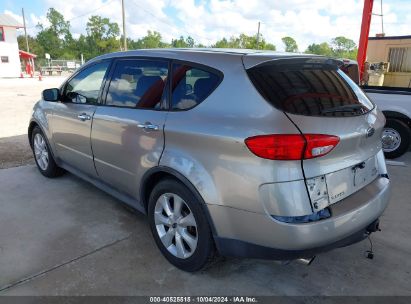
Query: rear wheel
pixel 396 138
pixel 179 226
pixel 42 155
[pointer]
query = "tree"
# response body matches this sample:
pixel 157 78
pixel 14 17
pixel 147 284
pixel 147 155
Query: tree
pixel 101 28
pixel 344 47
pixel 244 42
pixel 319 49
pixel 57 23
pixel 102 35
pixel 183 43
pixel 35 47
pixel 151 41
pixel 53 38
pixel 290 44
pixel 190 41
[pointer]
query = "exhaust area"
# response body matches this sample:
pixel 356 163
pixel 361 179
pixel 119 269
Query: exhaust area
pixel 305 261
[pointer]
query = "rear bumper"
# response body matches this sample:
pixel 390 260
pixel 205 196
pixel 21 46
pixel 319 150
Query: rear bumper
pixel 248 234
pixel 236 248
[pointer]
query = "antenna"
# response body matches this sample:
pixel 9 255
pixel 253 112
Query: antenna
pixel 382 18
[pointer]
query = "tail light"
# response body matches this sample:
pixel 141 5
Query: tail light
pixel 291 146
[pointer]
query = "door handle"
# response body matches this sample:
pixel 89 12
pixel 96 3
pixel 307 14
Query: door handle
pixel 84 117
pixel 148 126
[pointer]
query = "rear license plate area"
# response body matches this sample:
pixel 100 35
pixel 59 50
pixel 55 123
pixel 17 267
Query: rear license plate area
pixel 343 183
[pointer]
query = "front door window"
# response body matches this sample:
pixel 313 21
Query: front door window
pixel 86 85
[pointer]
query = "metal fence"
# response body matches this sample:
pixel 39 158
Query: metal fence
pixel 65 65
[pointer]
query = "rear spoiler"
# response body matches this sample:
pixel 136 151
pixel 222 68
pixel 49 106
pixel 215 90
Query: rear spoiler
pixel 255 60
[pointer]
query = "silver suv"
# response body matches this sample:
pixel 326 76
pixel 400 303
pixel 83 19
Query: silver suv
pixel 228 152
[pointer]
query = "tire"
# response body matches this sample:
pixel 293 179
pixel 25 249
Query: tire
pixel 43 156
pixel 396 138
pixel 177 229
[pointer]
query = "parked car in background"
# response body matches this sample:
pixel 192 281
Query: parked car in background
pixel 395 103
pixel 228 152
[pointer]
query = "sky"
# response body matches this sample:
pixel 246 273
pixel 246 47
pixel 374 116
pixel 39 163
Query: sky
pixel 307 21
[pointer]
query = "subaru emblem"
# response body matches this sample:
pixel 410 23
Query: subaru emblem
pixel 370 132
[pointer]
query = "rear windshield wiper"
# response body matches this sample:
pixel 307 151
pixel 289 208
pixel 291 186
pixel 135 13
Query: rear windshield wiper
pixel 351 108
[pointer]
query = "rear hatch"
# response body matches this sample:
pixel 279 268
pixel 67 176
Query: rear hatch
pixel 321 100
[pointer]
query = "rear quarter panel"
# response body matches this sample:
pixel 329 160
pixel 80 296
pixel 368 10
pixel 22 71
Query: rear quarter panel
pixel 206 143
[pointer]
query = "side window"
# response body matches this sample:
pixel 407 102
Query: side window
pixel 85 86
pixel 138 84
pixel 191 85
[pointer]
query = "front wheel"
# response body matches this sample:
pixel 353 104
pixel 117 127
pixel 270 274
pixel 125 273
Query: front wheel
pixel 179 226
pixel 396 138
pixel 42 155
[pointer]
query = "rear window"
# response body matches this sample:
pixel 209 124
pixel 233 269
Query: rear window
pixel 309 86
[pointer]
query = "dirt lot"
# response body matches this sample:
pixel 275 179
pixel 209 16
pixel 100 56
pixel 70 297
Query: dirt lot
pixel 17 99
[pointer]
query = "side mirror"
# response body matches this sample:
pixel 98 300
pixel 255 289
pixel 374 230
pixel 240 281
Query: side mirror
pixel 51 94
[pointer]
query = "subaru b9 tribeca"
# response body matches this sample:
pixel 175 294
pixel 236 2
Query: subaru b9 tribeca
pixel 232 153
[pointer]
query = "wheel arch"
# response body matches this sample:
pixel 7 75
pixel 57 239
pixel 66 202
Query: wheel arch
pixel 399 116
pixel 154 175
pixel 32 125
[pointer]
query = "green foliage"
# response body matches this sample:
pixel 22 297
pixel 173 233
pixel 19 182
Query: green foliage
pixel 54 39
pixel 344 47
pixel 340 47
pixel 320 49
pixel 57 23
pixel 183 43
pixel 103 36
pixel 290 44
pixel 151 41
pixel 34 46
pixel 244 42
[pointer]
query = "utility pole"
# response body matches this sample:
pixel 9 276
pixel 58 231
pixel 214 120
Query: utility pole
pixel 258 34
pixel 25 31
pixel 124 26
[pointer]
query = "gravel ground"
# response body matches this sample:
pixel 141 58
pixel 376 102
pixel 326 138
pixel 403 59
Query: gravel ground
pixel 17 97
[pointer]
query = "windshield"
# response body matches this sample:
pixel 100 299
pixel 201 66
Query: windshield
pixel 310 87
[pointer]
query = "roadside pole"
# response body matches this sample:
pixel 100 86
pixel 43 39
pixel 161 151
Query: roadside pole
pixel 25 31
pixel 124 26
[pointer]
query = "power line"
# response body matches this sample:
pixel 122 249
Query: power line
pixel 90 12
pixel 82 15
pixel 168 23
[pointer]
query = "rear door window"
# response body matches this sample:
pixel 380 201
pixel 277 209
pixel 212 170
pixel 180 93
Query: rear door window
pixel 191 85
pixel 311 87
pixel 137 83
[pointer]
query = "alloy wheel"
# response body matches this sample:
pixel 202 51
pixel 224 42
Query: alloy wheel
pixel 40 151
pixel 176 225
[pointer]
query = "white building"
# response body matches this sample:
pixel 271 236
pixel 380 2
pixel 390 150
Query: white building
pixel 9 49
